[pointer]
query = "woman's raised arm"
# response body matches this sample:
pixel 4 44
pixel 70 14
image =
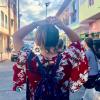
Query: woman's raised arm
pixel 21 33
pixel 69 32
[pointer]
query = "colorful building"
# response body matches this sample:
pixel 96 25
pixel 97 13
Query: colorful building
pixel 8 24
pixel 70 16
pixel 83 16
pixel 89 16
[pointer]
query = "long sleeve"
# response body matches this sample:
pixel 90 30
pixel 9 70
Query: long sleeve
pixel 19 71
pixel 79 73
pixel 74 67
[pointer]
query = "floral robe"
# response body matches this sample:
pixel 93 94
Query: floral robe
pixel 72 71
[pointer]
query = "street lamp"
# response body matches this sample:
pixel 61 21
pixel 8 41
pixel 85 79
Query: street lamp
pixel 19 20
pixel 46 5
pixel 19 14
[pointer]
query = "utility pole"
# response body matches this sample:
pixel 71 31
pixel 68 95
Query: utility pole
pixel 63 7
pixel 15 15
pixel 18 14
pixel 9 23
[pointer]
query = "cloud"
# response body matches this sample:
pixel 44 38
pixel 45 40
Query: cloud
pixel 33 10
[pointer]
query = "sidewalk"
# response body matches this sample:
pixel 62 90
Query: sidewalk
pixel 4 57
pixel 6 75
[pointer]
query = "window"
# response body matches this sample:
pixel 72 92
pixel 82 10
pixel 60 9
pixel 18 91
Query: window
pixel 90 2
pixel 65 17
pixel 12 22
pixel 13 4
pixel 6 22
pixel 2 19
pixel 3 2
pixel 74 11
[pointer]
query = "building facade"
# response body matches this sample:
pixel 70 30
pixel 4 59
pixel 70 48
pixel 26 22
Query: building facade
pixel 89 16
pixel 70 16
pixel 83 16
pixel 8 24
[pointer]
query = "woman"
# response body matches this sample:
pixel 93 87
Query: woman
pixel 73 67
pixel 93 66
pixel 60 46
pixel 92 58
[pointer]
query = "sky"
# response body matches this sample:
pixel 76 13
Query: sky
pixel 33 10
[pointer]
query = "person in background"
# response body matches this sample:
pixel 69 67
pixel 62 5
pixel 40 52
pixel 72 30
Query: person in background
pixel 73 67
pixel 60 46
pixel 93 66
pixel 91 56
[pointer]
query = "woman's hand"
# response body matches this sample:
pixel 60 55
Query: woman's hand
pixel 22 32
pixel 70 33
pixel 56 21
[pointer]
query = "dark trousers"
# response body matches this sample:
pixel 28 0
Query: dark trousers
pixel 91 82
pixel 65 96
pixel 27 90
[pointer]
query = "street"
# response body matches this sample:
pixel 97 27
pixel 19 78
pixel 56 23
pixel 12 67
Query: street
pixel 24 23
pixel 6 92
pixel 6 74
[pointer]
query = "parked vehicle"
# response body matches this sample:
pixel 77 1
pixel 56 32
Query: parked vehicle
pixel 26 48
pixel 14 56
pixel 97 46
pixel 97 43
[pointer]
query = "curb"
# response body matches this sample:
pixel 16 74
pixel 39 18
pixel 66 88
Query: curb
pixel 3 60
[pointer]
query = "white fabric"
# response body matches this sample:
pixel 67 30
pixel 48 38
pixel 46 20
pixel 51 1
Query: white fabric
pixel 86 94
pixel 99 65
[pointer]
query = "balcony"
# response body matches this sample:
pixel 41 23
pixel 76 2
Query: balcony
pixel 89 12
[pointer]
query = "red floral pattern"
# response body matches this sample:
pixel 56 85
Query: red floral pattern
pixel 73 69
